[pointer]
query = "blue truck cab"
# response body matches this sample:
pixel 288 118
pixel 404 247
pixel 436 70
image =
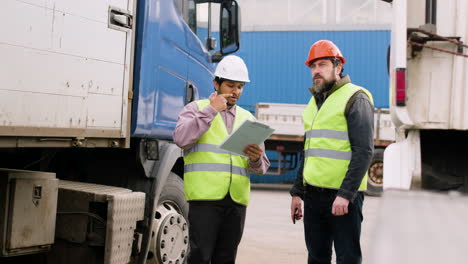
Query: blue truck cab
pixel 173 66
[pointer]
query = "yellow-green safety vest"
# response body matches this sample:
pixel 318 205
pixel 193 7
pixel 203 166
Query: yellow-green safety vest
pixel 327 150
pixel 210 172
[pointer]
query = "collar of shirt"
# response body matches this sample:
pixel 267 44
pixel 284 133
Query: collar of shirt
pixel 229 116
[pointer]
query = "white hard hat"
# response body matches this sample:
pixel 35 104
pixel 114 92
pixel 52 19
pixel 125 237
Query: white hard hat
pixel 232 68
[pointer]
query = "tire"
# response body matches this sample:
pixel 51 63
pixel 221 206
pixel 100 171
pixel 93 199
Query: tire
pixel 375 174
pixel 174 191
pixel 169 239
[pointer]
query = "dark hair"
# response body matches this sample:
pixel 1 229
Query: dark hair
pixel 337 62
pixel 219 80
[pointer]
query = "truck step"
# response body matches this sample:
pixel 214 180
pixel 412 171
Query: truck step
pixel 124 209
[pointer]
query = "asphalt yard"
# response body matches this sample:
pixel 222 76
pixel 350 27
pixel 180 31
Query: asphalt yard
pixel 270 237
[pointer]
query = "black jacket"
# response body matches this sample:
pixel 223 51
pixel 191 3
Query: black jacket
pixel 359 114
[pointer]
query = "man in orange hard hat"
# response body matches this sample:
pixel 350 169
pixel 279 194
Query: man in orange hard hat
pixel 338 124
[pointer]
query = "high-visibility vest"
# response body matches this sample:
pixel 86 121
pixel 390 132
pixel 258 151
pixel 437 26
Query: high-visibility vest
pixel 327 150
pixel 210 172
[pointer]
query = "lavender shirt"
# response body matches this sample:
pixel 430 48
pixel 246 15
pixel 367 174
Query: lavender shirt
pixel 193 123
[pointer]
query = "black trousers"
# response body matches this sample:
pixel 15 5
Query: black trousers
pixel 216 229
pixel 322 229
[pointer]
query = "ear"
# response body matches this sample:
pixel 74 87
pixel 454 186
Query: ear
pixel 216 85
pixel 338 69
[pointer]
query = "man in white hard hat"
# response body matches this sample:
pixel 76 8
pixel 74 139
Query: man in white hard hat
pixel 217 183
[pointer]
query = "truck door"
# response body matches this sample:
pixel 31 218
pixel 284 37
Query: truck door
pixel 160 68
pixel 204 20
pixel 201 68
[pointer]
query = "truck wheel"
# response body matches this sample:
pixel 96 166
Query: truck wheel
pixel 169 239
pixel 375 178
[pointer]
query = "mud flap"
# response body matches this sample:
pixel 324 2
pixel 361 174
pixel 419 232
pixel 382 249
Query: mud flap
pixel 402 162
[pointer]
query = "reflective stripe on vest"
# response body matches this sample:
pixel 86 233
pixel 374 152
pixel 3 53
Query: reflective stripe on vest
pixel 328 153
pixel 210 172
pixel 204 147
pixel 327 133
pixel 216 167
pixel 327 149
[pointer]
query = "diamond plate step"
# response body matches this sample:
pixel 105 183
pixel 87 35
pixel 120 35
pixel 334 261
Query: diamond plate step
pixel 124 209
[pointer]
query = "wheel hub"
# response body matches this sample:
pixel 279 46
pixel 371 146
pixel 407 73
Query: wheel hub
pixel 170 235
pixel 376 173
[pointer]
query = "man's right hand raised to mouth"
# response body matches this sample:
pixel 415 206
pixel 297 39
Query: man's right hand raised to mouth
pixel 219 101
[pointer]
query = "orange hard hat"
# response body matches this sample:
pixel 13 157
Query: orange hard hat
pixel 322 49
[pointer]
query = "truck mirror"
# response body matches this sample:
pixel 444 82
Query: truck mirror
pixel 229 27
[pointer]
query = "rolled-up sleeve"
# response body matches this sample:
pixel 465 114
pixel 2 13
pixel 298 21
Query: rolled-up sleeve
pixel 260 166
pixel 192 123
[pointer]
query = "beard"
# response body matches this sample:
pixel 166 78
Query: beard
pixel 324 86
pixel 231 104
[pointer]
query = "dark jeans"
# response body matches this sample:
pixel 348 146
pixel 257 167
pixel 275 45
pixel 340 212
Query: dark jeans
pixel 215 231
pixel 322 229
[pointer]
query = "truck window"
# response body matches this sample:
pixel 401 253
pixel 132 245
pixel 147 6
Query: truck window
pixel 192 15
pixel 179 5
pixel 187 10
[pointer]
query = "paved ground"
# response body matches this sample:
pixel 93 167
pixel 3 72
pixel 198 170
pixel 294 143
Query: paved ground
pixel 269 235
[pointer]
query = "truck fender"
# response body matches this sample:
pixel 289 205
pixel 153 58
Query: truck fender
pixel 168 153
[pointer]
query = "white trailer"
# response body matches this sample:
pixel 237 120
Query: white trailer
pixel 65 75
pixel 428 66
